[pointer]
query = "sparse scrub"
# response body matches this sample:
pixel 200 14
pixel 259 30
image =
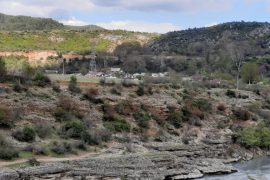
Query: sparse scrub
pixel 231 93
pixel 91 95
pixel 117 124
pixel 176 119
pixel 56 88
pixel 43 131
pixel 73 129
pixel 26 134
pixel 140 90
pixel 7 151
pixel 221 107
pixel 142 119
pixel 117 90
pixel 41 80
pixel 241 114
pixel 61 148
pixel 6 120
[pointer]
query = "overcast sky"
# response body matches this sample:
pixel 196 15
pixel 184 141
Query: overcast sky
pixel 142 15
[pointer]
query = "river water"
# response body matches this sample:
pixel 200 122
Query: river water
pixel 257 169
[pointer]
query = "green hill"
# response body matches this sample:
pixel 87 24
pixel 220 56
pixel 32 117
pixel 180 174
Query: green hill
pixel 26 23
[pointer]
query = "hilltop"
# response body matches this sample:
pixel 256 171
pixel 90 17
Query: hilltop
pixel 200 41
pixel 27 23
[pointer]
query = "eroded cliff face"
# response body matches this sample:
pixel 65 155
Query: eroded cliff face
pixel 35 58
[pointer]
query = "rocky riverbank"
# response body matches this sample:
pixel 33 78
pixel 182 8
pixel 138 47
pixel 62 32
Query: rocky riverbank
pixel 161 161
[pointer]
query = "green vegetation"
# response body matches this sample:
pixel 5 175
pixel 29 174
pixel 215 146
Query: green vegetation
pixel 73 86
pixel 24 23
pixel 142 119
pixel 250 73
pixel 26 134
pixel 7 151
pixel 256 136
pixel 117 124
pixel 64 40
pixel 176 119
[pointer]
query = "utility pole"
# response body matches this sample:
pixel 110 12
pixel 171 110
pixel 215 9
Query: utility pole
pixel 64 66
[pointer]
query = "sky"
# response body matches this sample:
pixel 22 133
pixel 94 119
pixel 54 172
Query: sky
pixel 142 15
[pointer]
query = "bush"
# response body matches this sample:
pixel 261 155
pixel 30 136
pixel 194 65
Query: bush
pixel 27 134
pixel 186 113
pixel 62 115
pixel 91 138
pixel 117 124
pixel 91 95
pixel 73 85
pixel 202 104
pixel 7 151
pixel 41 80
pixel 231 93
pixel 56 88
pixel 117 90
pixel 221 107
pixel 241 114
pixel 61 148
pixel 256 136
pixel 17 87
pixel 176 119
pixel 43 131
pixel 140 90
pixel 73 129
pixel 142 119
pixel 68 106
pixel 5 117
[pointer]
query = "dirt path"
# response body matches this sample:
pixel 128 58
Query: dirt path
pixel 44 159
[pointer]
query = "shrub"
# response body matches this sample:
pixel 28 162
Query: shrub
pixel 140 90
pixel 69 105
pixel 117 90
pixel 109 112
pixel 256 136
pixel 124 107
pixel 202 104
pixel 196 112
pixel 43 131
pixel 91 138
pixel 61 148
pixel 56 88
pixel 17 87
pixel 62 115
pixel 176 119
pixel 142 119
pixel 7 151
pixel 102 81
pixel 231 93
pixel 221 107
pixel 73 129
pixel 241 114
pixel 73 85
pixel 5 117
pixel 41 80
pixel 27 134
pixel 33 162
pixel 186 113
pixel 91 95
pixel 117 124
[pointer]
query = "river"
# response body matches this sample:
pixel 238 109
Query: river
pixel 257 169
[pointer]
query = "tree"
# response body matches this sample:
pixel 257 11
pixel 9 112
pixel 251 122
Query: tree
pixel 3 70
pixel 250 72
pixel 73 85
pixel 237 55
